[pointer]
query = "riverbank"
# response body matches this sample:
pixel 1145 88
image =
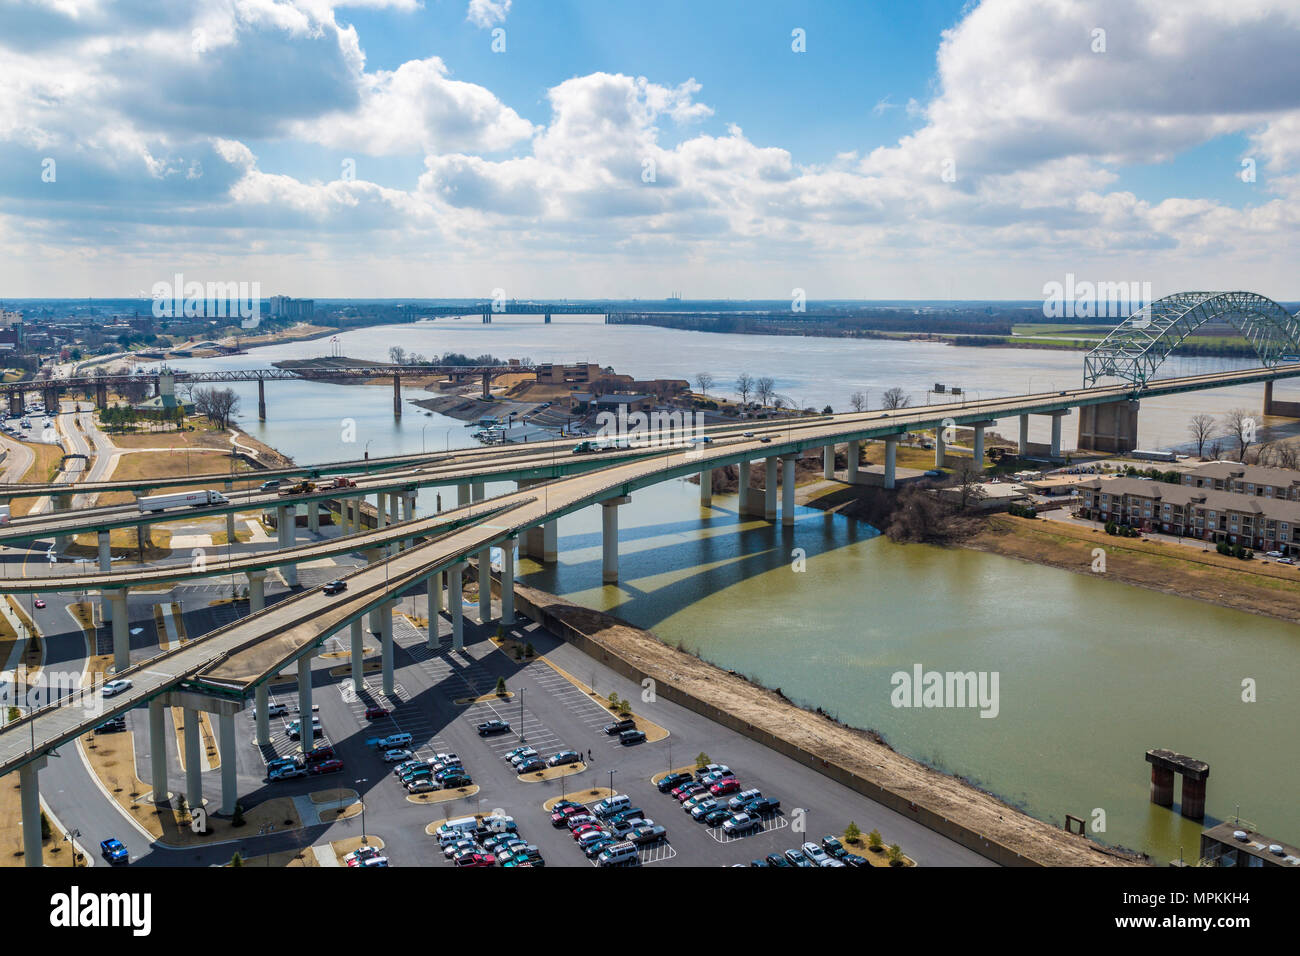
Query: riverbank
pixel 856 758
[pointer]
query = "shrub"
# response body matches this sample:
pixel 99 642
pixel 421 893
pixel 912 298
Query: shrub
pixel 875 840
pixel 501 686
pixel 236 860
pixel 529 651
pixel 701 760
pixel 852 834
pixel 896 855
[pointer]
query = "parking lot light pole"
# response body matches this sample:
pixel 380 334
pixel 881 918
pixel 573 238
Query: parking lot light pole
pixel 521 715
pixel 362 798
pixel 611 782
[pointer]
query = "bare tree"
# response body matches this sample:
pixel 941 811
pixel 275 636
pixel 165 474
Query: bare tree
pixel 397 355
pixel 217 405
pixel 969 491
pixel 859 401
pixel 704 382
pixel 744 386
pixel 765 389
pixel 1201 427
pixel 895 398
pixel 1239 426
pixel 1286 455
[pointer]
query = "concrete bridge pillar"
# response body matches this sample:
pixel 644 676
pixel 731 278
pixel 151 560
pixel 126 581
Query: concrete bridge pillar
pixel 1162 786
pixel 828 462
pixel 787 490
pixel 609 538
pixel 477 490
pixel 256 591
pixel 854 455
pixel 508 582
pixel 1024 436
pixel 16 404
pixel 158 749
pixel 358 656
pixel 226 743
pixel 939 458
pixel 1192 805
pixel 706 487
pixel 1112 427
pixel 29 783
pixel 485 585
pixel 121 634
pixel 313 517
pixel 261 715
pixel 101 396
pixel 462 494
pixel 105 566
pixel 261 399
pixel 550 542
pixel 487 382
pixel 769 488
pixel 381 509
pixel 891 456
pixel 394 502
pixel 1055 451
pixel 61 503
pixel 397 395
pixel 286 527
pixel 977 456
pixel 193 758
pixel 742 488
pixel 434 606
pixel 456 604
pixel 305 732
pixel 386 644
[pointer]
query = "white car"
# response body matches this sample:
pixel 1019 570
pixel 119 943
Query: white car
pixel 277 710
pixel 741 823
pixel 114 687
pixel 396 756
pixel 422 786
pixel 816 854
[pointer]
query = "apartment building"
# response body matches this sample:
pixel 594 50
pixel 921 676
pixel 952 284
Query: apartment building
pixel 1245 479
pixel 1254 521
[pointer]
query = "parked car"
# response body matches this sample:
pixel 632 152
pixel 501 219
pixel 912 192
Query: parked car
pixel 319 754
pixel 327 766
pixel 716 817
pixel 422 786
pixel 402 768
pixel 455 780
pixel 629 737
pixel 647 833
pixel 725 786
pixel 490 727
pixel 335 587
pixel 744 799
pixel 562 758
pixel 374 712
pixel 798 859
pixel 396 755
pixel 276 710
pixel 720 769
pixel 618 726
pixel 777 860
pixel 114 851
pixel 113 725
pixel 764 806
pixel 815 853
pixel 475 859
pixel 707 805
pixel 672 781
pixel 356 857
pixel 287 772
pixel 691 789
pixel 530 765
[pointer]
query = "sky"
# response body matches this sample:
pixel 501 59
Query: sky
pixel 591 149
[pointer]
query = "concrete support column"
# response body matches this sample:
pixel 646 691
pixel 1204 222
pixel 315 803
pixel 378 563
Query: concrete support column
pixel 31 811
pixel 358 656
pixel 313 517
pixel 477 490
pixel 434 606
pixel 550 542
pixel 1193 802
pixel 485 585
pixel 854 455
pixel 381 508
pixel 742 488
pixel 408 505
pixel 121 634
pixel 287 527
pixel 394 501
pixel 193 758
pixel 1056 433
pixel 61 503
pixel 609 538
pixel 226 742
pixel 105 566
pixel 456 604
pixel 261 714
pixel 769 489
pixel 977 456
pixel 891 457
pixel 787 491
pixel 1162 786
pixel 508 582
pixel 261 399
pixel 1024 435
pixel 706 487
pixel 230 529
pixel 256 591
pixel 828 462
pixel 462 495
pixel 397 396
pixel 158 749
pixel 305 732
pixel 939 459
pixel 386 644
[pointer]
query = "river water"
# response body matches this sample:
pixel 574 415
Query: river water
pixel 1090 673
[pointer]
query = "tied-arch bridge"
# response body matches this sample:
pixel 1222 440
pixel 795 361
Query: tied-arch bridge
pixel 1134 349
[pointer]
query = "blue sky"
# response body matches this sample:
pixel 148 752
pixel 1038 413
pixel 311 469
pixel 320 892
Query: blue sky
pixel 913 150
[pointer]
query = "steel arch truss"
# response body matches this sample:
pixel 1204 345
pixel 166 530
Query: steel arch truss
pixel 1135 348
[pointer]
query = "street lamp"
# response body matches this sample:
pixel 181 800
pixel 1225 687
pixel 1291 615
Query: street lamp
pixel 70 839
pixel 423 449
pixel 362 798
pixel 611 782
pixel 521 715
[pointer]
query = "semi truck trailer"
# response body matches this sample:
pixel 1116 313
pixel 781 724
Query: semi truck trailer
pixel 192 499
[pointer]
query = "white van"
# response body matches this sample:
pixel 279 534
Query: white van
pixel 612 805
pixel 455 829
pixel 394 740
pixel 620 854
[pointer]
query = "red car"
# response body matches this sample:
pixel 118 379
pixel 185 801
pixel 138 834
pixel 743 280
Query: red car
pixel 578 831
pixel 375 712
pixel 476 859
pixel 724 786
pixel 561 816
pixel 685 793
pixel 327 766
pixel 39 603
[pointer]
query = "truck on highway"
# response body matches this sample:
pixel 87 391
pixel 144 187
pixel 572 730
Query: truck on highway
pixel 192 499
pixel 4 514
pixel 301 488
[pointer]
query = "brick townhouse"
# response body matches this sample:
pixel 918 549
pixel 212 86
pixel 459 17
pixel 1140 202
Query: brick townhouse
pixel 1254 521
pixel 1246 479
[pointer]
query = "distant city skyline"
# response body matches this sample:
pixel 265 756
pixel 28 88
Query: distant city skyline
pixel 399 149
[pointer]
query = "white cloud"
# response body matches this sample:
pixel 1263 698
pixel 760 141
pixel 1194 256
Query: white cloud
pixel 487 13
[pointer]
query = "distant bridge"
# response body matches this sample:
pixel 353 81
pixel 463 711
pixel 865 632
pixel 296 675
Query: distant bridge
pixel 486 310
